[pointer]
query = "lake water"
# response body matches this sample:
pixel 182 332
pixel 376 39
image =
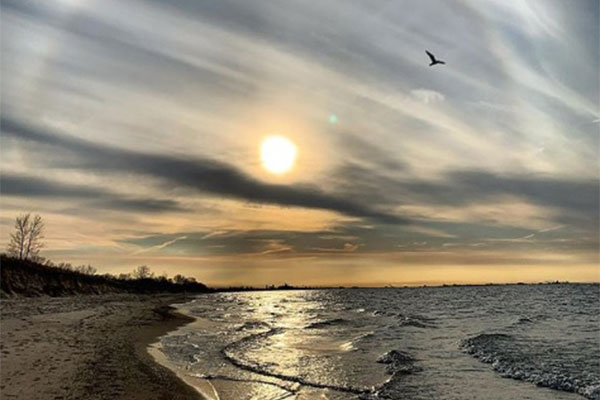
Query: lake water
pixel 474 342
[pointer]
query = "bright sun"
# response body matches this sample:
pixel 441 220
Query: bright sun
pixel 277 154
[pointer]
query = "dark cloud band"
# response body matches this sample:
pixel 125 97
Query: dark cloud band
pixel 201 174
pixel 16 185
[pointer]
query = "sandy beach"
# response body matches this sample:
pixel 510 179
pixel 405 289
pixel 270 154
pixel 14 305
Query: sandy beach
pixel 87 347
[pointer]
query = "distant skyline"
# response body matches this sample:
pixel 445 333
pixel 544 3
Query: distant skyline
pixel 135 129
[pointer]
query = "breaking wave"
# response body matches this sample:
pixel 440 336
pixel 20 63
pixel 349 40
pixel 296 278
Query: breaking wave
pixel 326 323
pixel 253 325
pixel 504 353
pixel 394 343
pixel 230 355
pixel 398 362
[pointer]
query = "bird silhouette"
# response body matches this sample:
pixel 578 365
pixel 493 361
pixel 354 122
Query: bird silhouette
pixel 433 59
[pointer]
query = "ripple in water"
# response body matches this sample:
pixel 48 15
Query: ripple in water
pixel 411 343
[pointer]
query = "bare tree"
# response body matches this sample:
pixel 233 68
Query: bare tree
pixel 16 246
pixel 142 272
pixel 26 241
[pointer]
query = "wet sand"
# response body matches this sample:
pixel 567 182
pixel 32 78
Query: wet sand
pixel 87 347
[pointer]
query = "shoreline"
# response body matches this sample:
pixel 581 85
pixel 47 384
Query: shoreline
pixel 92 347
pixel 203 387
pixel 147 344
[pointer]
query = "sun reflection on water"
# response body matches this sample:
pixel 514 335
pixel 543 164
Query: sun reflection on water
pixel 283 344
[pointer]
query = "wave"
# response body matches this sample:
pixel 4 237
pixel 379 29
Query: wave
pixel 326 323
pixel 253 325
pixel 523 321
pixel 416 323
pixel 180 348
pixel 350 345
pixel 398 362
pixel 502 352
pixel 530 320
pixel 228 353
pixel 290 389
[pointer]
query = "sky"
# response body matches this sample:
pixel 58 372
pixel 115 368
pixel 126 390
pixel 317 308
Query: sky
pixel 134 129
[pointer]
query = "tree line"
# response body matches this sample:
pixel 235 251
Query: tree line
pixel 26 243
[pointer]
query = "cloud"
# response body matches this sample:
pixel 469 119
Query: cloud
pixel 200 174
pixel 214 234
pixel 367 152
pixel 427 96
pixel 346 248
pixel 456 147
pixel 338 237
pixel 24 186
pixel 161 246
pixel 553 228
pixel 354 239
pixel 276 246
pixel 576 196
pixel 529 236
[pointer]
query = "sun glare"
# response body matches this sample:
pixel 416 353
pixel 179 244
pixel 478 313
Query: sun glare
pixel 277 154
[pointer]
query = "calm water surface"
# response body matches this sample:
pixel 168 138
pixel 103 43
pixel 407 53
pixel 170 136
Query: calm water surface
pixel 487 342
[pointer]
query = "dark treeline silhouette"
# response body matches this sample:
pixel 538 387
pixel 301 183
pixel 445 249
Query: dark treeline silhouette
pixel 24 272
pixel 22 277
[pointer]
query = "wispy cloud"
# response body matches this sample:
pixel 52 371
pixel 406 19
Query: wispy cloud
pixel 346 248
pixel 156 121
pixel 276 246
pixel 427 96
pixel 160 246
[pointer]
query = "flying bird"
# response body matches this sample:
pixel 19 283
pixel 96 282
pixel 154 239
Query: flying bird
pixel 433 59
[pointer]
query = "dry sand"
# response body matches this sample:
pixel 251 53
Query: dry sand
pixel 87 347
